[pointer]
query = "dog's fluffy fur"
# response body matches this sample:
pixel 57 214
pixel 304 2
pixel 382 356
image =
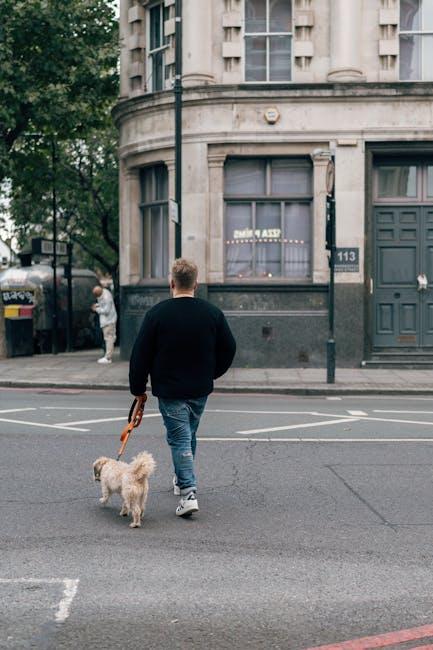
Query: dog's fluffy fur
pixel 130 481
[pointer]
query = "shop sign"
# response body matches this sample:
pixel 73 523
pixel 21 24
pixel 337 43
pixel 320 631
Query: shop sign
pixel 18 297
pixel 347 260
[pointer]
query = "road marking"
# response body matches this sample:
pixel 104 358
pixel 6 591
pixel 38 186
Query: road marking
pixel 357 413
pixel 17 410
pixel 69 592
pixel 42 425
pixel 82 408
pixel 68 424
pixel 263 412
pixel 307 425
pixel 381 640
pixel 403 412
pixel 334 399
pixel 297 439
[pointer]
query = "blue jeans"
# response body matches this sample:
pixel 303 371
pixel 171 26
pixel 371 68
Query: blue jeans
pixel 181 418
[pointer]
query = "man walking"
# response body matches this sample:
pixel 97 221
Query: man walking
pixel 106 310
pixel 184 344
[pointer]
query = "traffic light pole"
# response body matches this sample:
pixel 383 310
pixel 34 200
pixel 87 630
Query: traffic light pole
pixel 178 126
pixel 330 345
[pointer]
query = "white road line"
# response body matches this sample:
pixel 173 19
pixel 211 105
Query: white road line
pixel 357 413
pixel 352 440
pixel 334 399
pixel 69 593
pixel 17 410
pixel 307 425
pixel 262 412
pixel 83 408
pixel 68 425
pixel 42 425
pixel 402 412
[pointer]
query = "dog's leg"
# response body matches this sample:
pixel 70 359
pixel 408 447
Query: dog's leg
pixel 136 516
pixel 105 495
pixel 124 510
pixel 144 498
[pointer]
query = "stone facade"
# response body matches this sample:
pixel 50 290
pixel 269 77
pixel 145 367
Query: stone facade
pixel 344 96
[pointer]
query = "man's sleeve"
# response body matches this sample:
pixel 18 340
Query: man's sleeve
pixel 225 347
pixel 104 306
pixel 142 354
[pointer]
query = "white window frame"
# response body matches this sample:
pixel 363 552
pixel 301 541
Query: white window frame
pixel 415 32
pixel 147 254
pixel 267 35
pixel 162 48
pixel 268 197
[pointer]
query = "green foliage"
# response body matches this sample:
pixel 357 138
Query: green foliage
pixel 57 68
pixel 58 82
pixel 85 176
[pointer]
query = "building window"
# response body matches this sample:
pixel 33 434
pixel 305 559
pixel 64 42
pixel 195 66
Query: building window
pixel 157 45
pixel 268 218
pixel 416 40
pixel 154 211
pixel 403 181
pixel 268 40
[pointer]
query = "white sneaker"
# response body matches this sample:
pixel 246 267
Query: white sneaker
pixel 104 360
pixel 187 505
pixel 176 488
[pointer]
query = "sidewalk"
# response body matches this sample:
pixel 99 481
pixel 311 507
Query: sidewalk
pixel 80 370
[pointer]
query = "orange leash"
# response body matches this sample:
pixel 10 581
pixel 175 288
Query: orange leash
pixel 134 420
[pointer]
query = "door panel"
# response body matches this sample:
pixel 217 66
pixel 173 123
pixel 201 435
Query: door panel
pixel 397 264
pixel 426 297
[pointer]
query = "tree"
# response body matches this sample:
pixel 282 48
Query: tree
pixel 58 69
pixel 85 175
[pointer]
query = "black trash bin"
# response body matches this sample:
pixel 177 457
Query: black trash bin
pixel 18 331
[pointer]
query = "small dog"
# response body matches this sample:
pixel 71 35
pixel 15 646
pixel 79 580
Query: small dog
pixel 130 481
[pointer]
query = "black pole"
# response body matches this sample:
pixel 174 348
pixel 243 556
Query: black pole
pixel 54 345
pixel 69 328
pixel 178 126
pixel 330 345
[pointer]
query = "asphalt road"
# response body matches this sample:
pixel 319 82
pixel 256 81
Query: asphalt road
pixel 315 526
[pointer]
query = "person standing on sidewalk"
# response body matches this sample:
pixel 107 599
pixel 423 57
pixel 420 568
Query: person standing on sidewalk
pixel 106 310
pixel 184 344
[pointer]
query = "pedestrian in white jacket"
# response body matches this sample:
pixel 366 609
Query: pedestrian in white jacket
pixel 106 310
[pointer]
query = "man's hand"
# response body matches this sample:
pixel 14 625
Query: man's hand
pixel 94 306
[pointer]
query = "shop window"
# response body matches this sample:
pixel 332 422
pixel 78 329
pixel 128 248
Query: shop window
pixel 430 181
pixel 157 46
pixel 416 40
pixel 268 218
pixel 268 40
pixel 154 210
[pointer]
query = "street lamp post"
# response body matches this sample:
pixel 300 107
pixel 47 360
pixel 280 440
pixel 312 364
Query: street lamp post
pixel 178 126
pixel 54 342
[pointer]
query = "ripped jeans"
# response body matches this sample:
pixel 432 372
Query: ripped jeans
pixel 181 418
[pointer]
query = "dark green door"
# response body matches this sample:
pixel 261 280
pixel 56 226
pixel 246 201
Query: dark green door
pixel 403 313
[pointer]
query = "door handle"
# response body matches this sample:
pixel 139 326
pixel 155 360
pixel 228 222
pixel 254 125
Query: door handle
pixel 422 282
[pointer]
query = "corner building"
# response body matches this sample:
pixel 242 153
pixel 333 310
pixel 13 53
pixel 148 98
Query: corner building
pixel 268 86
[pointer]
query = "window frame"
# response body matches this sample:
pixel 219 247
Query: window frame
pixel 146 241
pixel 415 32
pixel 421 197
pixel 267 35
pixel 281 200
pixel 162 48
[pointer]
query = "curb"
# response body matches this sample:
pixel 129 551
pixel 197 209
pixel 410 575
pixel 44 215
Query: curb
pixel 244 389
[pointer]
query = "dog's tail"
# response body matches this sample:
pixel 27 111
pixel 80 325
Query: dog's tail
pixel 143 466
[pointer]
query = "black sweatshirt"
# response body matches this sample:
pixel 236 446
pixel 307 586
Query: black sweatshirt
pixel 183 344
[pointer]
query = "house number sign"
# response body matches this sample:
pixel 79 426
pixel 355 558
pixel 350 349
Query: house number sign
pixel 347 260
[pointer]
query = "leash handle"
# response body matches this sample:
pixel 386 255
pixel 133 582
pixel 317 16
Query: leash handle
pixel 134 419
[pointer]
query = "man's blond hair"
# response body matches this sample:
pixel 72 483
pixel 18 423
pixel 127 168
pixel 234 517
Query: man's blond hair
pixel 184 274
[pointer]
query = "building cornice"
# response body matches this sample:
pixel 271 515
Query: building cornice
pixel 247 93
